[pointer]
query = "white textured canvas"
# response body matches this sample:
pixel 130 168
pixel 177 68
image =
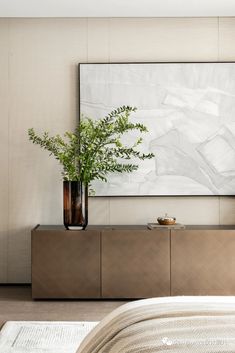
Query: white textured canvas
pixel 189 109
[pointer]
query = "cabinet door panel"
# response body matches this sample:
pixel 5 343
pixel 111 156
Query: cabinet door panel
pixel 65 264
pixel 203 262
pixel 135 264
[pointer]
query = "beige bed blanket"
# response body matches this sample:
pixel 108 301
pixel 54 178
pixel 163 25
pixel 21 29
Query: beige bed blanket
pixel 180 324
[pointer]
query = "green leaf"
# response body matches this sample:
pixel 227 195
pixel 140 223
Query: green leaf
pixel 95 148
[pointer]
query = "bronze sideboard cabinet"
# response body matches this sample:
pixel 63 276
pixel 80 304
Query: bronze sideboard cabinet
pixel 132 262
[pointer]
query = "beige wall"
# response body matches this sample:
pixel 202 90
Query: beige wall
pixel 38 88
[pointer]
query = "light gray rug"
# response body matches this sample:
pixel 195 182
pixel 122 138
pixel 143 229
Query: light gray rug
pixel 43 337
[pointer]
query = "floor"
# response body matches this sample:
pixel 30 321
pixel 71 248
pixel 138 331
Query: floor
pixel 16 304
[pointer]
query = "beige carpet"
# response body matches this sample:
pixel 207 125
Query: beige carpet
pixel 43 337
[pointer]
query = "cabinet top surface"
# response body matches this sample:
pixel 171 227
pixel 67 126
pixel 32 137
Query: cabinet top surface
pixel 93 227
pixel 133 227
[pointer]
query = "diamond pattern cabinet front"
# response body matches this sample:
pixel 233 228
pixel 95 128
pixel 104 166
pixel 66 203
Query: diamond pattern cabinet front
pixel 203 262
pixel 135 263
pixel 65 264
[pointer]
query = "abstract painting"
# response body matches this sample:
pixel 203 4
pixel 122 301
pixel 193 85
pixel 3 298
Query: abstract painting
pixel 189 110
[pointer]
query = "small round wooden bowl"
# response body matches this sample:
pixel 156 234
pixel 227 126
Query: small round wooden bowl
pixel 166 222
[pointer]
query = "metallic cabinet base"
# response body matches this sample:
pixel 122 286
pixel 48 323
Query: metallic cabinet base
pixel 203 262
pixel 135 264
pixel 132 262
pixel 65 264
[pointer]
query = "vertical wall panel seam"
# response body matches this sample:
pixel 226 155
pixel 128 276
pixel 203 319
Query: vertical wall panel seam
pixel 8 150
pixel 218 37
pixel 109 29
pixel 87 40
pixel 219 217
pixel 218 59
pixel 218 46
pixel 109 200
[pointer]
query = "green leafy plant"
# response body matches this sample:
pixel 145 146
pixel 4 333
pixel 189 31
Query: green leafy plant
pixel 95 148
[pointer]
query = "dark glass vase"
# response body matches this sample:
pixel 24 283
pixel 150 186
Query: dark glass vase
pixel 75 205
